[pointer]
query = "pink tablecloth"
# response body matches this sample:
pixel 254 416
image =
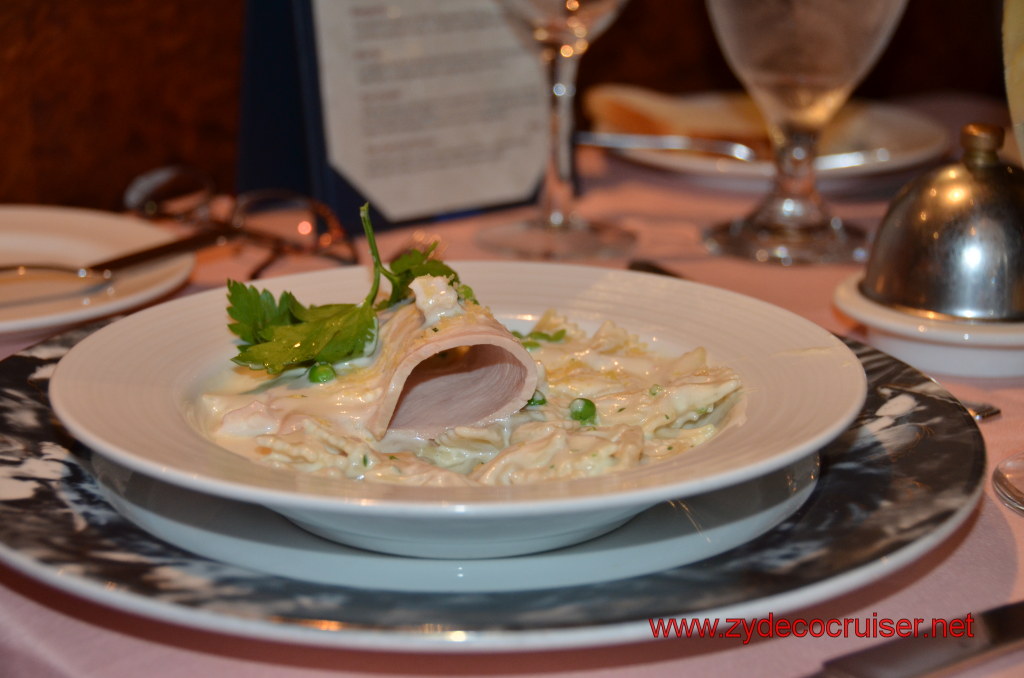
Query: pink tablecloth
pixel 44 632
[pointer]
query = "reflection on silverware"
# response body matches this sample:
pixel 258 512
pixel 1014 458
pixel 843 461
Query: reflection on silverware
pixel 981 411
pixel 170 192
pixel 831 161
pixel 667 142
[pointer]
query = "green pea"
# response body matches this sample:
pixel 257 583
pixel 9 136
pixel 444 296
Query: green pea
pixel 537 399
pixel 583 411
pixel 321 373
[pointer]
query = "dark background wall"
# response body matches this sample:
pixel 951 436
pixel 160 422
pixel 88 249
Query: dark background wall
pixel 92 93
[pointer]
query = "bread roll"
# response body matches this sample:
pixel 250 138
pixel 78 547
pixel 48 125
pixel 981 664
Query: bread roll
pixel 732 116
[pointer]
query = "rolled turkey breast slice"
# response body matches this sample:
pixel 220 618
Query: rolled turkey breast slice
pixel 465 370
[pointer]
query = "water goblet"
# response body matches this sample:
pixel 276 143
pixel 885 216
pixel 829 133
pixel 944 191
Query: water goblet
pixel 799 60
pixel 562 30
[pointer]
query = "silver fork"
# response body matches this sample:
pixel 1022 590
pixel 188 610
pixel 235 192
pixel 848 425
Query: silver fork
pixel 981 411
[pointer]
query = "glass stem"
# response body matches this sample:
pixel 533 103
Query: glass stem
pixel 794 203
pixel 559 191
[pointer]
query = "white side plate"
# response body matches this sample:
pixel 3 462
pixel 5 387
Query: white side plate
pixel 947 347
pixel 76 237
pixel 894 138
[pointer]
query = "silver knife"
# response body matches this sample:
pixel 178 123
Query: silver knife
pixel 667 142
pixel 981 636
pixel 722 147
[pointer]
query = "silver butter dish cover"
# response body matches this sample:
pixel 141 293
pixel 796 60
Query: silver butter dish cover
pixel 952 242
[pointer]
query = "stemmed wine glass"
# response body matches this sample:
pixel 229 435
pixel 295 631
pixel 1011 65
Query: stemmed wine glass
pixel 562 29
pixel 799 60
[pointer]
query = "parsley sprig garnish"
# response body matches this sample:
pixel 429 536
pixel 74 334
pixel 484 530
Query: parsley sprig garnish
pixel 282 333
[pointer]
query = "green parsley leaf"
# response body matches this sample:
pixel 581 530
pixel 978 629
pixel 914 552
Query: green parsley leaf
pixel 280 334
pixel 256 313
pixel 342 336
pixel 413 264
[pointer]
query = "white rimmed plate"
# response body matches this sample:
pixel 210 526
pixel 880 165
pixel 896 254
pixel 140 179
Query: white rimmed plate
pixel 666 535
pixel 935 345
pixel 893 137
pixel 76 237
pixel 127 391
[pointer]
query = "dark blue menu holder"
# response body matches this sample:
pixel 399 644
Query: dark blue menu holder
pixel 281 137
pixel 281 131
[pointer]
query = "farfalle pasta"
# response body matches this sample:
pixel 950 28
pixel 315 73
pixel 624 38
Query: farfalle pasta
pixel 450 397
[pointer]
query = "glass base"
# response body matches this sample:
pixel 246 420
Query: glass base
pixel 535 240
pixel 1008 482
pixel 832 242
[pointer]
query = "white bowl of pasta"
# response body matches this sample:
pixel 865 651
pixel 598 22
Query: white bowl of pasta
pixel 137 391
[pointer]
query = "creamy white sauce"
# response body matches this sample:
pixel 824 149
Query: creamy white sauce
pixel 648 406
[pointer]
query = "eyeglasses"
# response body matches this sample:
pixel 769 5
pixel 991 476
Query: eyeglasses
pixel 282 221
